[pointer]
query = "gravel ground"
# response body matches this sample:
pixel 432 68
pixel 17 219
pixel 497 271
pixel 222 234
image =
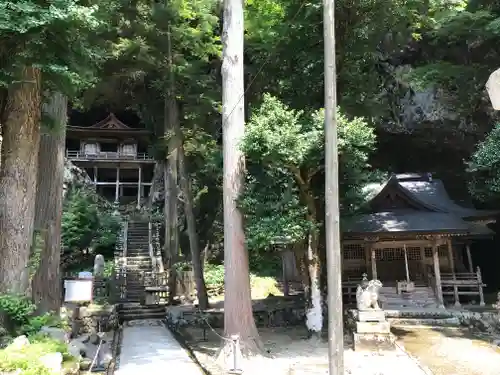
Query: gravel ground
pixel 452 351
pixel 421 352
pixel 291 354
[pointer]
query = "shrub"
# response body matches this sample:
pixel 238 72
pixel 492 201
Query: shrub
pixel 27 359
pixel 18 309
pixel 214 276
pixel 19 313
pixel 261 286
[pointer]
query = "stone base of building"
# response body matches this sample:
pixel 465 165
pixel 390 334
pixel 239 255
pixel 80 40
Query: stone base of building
pixel 374 341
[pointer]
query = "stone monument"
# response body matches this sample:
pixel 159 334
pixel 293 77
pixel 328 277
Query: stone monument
pixel 98 266
pixel 373 331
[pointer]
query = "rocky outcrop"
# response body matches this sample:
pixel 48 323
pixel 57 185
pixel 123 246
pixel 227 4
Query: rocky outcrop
pixel 75 177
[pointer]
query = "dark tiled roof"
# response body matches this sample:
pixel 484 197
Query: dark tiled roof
pixel 434 194
pixel 439 213
pixel 406 221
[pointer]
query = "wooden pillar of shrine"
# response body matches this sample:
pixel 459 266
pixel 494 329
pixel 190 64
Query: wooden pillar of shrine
pixel 437 275
pixel 368 256
pixel 117 186
pixel 374 263
pixel 469 258
pixel 424 264
pixel 95 178
pixel 139 188
pixel 452 268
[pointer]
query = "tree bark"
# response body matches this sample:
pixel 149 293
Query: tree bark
pixel 171 205
pixel 238 314
pixel 194 245
pixel 314 314
pixel 18 177
pixel 46 286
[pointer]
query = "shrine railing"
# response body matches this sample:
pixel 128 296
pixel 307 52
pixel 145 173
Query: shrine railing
pixel 75 155
pixel 463 284
pixel 155 287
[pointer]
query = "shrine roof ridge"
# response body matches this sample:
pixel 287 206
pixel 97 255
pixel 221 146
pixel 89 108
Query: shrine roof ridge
pixel 110 123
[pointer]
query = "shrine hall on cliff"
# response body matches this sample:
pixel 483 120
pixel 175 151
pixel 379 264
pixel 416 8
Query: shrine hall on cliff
pixel 115 156
pixel 413 235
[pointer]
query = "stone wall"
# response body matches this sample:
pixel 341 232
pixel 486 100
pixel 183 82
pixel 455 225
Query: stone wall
pixel 288 314
pixel 86 319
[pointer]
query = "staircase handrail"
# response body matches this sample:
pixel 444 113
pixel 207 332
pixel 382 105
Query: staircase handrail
pixel 150 247
pixel 158 252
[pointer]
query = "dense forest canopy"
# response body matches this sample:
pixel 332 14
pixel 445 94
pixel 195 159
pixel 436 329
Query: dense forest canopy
pixel 411 98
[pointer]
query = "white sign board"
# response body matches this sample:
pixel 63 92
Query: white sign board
pixel 493 88
pixel 78 290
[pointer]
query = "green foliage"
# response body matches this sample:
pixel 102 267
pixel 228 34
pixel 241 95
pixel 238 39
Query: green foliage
pixel 484 168
pixel 214 276
pixel 60 37
pixel 288 37
pixel 261 286
pixel 460 53
pixel 18 309
pixel 285 151
pixel 27 359
pixel 87 223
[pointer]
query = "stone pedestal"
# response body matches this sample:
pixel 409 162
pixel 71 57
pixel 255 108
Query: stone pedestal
pixel 405 287
pixel 373 332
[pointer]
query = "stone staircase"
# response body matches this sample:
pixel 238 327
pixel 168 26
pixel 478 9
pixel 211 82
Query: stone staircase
pixel 419 308
pixel 138 263
pixel 421 297
pixel 138 259
pixel 128 312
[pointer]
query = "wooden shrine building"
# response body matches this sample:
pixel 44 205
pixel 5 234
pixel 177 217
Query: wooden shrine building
pixel 115 157
pixel 413 234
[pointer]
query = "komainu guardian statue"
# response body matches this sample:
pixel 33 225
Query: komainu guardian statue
pixel 367 295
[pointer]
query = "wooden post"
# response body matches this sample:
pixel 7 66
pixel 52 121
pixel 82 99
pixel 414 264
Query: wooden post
pixel 123 271
pixel 424 263
pixel 452 267
pixel 139 187
pixel 469 258
pixel 406 264
pixel 332 210
pixel 374 264
pixel 480 284
pixel 286 289
pixel 95 177
pixel 117 186
pixel 437 274
pixel 368 256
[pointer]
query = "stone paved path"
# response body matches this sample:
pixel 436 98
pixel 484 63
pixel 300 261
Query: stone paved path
pixel 148 348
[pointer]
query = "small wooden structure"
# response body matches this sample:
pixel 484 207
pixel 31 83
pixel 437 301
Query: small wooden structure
pixel 410 236
pixel 115 157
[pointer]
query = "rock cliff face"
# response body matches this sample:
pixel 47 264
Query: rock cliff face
pixel 75 177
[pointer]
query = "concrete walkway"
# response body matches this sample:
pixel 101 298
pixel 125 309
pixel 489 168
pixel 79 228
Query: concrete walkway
pixel 148 348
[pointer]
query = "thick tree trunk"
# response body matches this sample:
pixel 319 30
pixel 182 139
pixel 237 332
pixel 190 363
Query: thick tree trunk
pixel 314 314
pixel 194 244
pixel 171 205
pixel 46 286
pixel 18 177
pixel 238 315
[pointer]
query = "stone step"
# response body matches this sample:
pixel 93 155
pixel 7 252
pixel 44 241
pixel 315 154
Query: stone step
pixel 143 316
pixel 424 322
pixel 139 312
